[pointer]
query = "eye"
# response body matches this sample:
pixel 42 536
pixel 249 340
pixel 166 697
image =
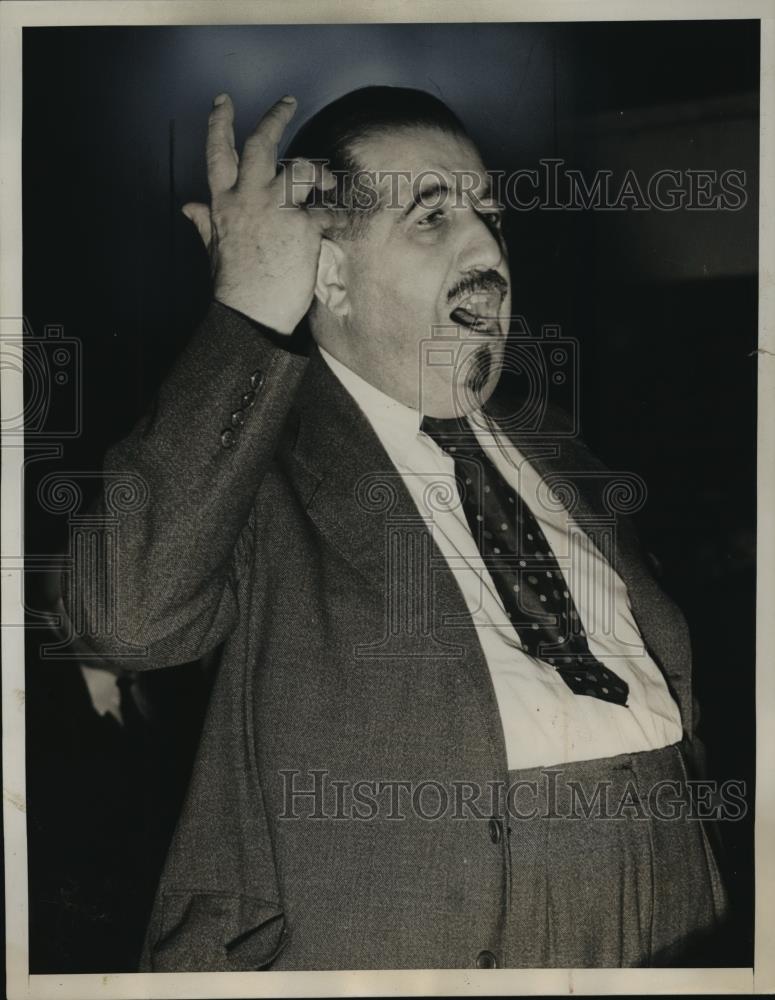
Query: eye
pixel 432 219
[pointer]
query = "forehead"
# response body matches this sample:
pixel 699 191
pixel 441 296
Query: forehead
pixel 404 157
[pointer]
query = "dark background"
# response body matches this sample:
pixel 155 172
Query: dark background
pixel 664 306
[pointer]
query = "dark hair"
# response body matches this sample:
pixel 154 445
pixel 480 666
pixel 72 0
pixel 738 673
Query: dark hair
pixel 332 133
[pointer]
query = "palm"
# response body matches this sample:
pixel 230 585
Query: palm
pixel 263 243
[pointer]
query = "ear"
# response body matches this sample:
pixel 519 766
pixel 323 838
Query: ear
pixel 330 286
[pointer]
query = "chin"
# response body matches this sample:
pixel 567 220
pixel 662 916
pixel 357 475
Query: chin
pixel 466 388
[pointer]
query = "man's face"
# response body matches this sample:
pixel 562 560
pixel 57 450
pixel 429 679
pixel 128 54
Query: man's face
pixel 428 295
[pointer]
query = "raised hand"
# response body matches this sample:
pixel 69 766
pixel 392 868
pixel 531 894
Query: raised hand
pixel 263 242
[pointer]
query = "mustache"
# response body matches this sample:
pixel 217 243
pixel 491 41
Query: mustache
pixel 479 281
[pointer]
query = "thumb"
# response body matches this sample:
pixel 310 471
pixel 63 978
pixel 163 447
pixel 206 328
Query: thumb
pixel 200 215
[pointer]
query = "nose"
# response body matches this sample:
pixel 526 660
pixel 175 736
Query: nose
pixel 481 247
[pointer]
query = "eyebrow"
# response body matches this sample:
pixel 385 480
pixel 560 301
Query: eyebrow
pixel 435 189
pixel 430 190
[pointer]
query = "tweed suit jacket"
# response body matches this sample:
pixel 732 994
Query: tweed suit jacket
pixel 282 541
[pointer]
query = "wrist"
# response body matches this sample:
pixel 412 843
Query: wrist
pixel 264 313
pixel 293 342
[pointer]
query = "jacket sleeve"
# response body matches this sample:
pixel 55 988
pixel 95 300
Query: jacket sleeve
pixel 174 539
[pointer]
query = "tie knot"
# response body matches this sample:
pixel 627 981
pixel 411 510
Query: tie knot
pixel 453 434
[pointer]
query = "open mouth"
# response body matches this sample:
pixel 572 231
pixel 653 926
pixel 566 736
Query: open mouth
pixel 479 312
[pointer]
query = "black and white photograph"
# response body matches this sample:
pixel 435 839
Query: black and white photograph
pixel 387 498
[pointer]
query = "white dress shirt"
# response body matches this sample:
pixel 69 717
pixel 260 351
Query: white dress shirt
pixel 544 722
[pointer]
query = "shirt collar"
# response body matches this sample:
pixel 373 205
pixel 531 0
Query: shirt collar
pixel 396 425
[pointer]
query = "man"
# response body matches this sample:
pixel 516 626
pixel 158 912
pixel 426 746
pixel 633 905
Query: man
pixel 413 628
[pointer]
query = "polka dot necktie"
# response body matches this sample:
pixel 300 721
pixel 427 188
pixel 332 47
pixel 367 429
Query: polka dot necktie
pixel 531 585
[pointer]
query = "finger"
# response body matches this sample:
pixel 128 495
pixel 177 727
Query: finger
pixel 222 159
pixel 321 176
pixel 324 179
pixel 259 154
pixel 200 215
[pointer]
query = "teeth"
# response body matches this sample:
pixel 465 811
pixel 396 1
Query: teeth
pixel 478 302
pixel 484 304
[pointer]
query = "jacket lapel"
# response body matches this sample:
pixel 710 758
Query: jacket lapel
pixel 361 505
pixel 354 490
pixel 358 500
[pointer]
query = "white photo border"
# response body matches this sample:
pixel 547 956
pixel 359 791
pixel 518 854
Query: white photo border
pixel 14 15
